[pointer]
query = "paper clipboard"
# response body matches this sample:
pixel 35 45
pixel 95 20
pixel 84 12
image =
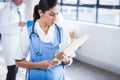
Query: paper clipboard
pixel 74 45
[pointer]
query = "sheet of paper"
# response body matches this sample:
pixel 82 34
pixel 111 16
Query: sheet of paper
pixel 75 44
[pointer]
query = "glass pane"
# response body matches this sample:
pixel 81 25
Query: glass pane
pixel 69 12
pixel 87 1
pixel 70 1
pixel 109 2
pixel 59 1
pixel 87 14
pixel 109 16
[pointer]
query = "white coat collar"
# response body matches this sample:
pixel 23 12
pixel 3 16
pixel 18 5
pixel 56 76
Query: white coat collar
pixel 13 5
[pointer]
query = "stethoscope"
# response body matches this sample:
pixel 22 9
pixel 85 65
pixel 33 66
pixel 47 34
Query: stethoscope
pixel 34 37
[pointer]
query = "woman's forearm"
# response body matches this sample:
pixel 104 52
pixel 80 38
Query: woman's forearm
pixel 46 64
pixel 26 64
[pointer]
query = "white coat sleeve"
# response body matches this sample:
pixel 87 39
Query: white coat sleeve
pixel 59 20
pixel 23 46
pixel 67 41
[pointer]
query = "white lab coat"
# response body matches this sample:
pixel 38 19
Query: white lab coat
pixel 10 31
pixel 60 20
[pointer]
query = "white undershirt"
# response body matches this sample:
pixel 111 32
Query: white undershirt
pixel 45 37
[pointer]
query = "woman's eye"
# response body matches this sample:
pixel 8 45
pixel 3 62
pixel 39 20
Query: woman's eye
pixel 51 14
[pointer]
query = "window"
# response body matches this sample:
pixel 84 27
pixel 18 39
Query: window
pixel 69 1
pixel 87 14
pixel 109 16
pixel 109 2
pixel 109 12
pixel 98 11
pixel 87 1
pixel 69 12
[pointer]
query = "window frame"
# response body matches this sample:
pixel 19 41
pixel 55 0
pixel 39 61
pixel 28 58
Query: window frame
pixel 97 6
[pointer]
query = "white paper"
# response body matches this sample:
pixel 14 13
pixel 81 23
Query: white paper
pixel 75 44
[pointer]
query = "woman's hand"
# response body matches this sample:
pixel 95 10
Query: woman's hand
pixel 46 64
pixel 62 57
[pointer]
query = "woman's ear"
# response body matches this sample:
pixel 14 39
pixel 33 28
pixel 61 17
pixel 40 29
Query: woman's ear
pixel 40 13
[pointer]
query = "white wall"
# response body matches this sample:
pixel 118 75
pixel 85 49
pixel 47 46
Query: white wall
pixel 103 47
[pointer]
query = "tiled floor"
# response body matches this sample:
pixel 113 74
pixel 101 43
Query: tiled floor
pixel 77 71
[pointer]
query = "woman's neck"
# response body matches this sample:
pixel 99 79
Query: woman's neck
pixel 44 26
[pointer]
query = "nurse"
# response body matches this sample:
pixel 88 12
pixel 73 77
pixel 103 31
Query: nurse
pixel 11 21
pixel 44 40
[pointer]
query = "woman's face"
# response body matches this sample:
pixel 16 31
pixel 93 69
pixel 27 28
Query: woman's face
pixel 49 17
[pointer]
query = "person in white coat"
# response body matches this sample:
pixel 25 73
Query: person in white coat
pixel 11 24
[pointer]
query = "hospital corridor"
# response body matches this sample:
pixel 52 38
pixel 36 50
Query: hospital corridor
pixel 77 37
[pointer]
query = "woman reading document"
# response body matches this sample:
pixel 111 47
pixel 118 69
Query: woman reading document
pixel 44 40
